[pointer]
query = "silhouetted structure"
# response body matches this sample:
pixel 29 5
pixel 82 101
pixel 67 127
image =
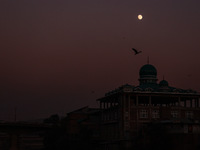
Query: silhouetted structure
pixel 22 136
pixel 80 129
pixel 83 128
pixel 150 115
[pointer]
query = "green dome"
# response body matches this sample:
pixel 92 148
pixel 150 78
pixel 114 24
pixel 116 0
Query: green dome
pixel 163 83
pixel 148 70
pixel 148 75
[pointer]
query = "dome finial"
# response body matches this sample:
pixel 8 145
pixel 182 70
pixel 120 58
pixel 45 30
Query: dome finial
pixel 163 77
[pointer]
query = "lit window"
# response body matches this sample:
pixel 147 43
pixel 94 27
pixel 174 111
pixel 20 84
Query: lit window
pixel 143 113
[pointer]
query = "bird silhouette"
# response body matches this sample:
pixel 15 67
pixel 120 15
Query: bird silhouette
pixel 136 51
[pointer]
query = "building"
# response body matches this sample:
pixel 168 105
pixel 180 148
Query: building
pixel 83 128
pixel 129 112
pixel 22 135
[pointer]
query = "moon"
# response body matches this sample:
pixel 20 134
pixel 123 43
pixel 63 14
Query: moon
pixel 140 17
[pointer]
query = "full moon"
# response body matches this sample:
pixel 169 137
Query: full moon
pixel 140 17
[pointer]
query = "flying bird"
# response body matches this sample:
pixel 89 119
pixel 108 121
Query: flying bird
pixel 136 51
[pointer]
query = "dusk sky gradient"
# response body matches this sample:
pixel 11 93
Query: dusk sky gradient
pixel 59 55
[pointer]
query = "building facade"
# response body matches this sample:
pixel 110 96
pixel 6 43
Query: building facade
pixel 128 111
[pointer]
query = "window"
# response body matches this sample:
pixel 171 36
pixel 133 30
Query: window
pixel 182 103
pixel 174 114
pixel 188 103
pixel 143 113
pixel 155 114
pixel 189 114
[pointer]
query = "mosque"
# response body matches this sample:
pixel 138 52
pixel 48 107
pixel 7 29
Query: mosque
pixel 128 112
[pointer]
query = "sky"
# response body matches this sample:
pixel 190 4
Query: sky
pixel 59 55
